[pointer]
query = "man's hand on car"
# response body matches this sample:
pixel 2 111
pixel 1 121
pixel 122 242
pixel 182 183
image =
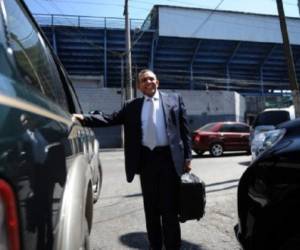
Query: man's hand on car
pixel 77 118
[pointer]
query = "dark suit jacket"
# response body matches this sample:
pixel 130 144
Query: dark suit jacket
pixel 130 116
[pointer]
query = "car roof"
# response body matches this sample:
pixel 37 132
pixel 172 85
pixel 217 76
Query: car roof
pixel 274 116
pixel 233 122
pixel 290 109
pixel 219 123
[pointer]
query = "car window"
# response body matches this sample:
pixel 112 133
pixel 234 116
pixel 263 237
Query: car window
pixel 207 127
pixel 226 128
pixel 5 68
pixel 32 57
pixel 272 118
pixel 73 100
pixel 240 128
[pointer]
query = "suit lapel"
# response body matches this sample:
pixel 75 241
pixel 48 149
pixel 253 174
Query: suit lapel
pixel 138 113
pixel 166 106
pixel 140 102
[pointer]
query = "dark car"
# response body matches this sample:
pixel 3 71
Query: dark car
pixel 218 137
pixel 50 173
pixel 268 193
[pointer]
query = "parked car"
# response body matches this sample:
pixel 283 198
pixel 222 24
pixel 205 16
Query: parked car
pixel 268 193
pixel 265 121
pixel 218 137
pixel 50 172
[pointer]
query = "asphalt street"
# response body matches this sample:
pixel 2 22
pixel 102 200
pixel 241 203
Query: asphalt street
pixel 119 218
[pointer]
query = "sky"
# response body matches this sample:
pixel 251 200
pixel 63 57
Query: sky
pixel 140 8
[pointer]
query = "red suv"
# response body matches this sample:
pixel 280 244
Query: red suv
pixel 218 137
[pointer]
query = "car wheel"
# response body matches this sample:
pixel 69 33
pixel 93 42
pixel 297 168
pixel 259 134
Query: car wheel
pixel 86 239
pixel 216 149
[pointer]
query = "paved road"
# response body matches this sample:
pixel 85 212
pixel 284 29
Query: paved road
pixel 119 219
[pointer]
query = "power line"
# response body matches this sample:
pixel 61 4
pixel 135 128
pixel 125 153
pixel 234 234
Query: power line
pixel 201 25
pixel 94 3
pixel 286 3
pixel 223 21
pixel 213 11
pixel 119 53
pixel 150 3
pixel 113 52
pixel 208 17
pixel 173 1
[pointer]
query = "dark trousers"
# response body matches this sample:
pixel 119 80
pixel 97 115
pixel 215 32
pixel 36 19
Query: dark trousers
pixel 160 187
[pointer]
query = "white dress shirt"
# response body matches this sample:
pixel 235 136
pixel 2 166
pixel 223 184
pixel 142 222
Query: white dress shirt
pixel 159 120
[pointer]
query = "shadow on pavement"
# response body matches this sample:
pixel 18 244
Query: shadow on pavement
pixel 245 163
pixel 138 240
pixel 221 182
pixel 218 186
pixel 226 154
pixel 133 195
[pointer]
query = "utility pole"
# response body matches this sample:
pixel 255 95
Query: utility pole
pixel 128 54
pixel 289 58
pixel 122 98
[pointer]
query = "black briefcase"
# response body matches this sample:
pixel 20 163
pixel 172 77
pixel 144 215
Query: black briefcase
pixel 192 198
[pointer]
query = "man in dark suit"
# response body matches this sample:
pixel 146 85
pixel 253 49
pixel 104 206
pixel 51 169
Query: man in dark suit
pixel 157 146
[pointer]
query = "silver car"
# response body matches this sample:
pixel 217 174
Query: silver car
pixel 50 171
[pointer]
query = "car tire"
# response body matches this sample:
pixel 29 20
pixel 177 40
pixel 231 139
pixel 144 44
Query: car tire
pixel 98 185
pixel 216 149
pixel 86 239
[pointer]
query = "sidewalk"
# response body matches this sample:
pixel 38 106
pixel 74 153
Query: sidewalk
pixel 110 149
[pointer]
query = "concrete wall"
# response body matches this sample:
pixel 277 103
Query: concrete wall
pixel 209 106
pixel 202 107
pixel 224 25
pixel 87 81
pixel 107 100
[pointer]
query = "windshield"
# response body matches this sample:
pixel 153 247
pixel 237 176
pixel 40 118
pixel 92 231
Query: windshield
pixel 272 118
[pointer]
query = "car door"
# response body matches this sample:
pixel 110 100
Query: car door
pixel 230 136
pixel 91 146
pixel 43 149
pixel 227 136
pixel 243 139
pixel 37 122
